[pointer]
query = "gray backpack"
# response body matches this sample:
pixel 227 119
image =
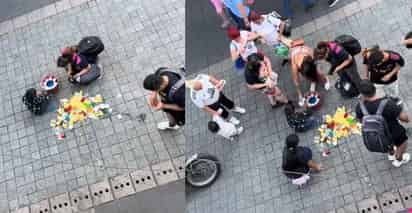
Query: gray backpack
pixel 375 132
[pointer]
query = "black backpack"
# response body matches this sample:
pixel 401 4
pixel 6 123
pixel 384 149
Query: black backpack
pixel 408 36
pixel 91 45
pixel 375 131
pixel 181 82
pixel 349 43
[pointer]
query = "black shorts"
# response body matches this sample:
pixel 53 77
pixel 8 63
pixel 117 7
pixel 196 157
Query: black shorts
pixel 400 139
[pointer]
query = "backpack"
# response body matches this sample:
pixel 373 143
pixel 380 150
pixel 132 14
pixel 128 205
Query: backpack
pixel 408 36
pixel 178 84
pixel 349 43
pixel 375 132
pixel 287 30
pixel 91 45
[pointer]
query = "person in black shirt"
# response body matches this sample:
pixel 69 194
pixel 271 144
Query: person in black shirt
pixel 392 114
pixel 297 161
pixel 168 95
pixel 382 67
pixel 78 68
pixel 260 76
pixel 36 101
pixel 342 63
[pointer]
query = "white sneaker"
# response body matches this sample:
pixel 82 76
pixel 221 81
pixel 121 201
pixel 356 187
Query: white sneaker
pixel 166 125
pixel 302 102
pixel 391 157
pixel 101 71
pixel 239 110
pixel 312 87
pixel 239 130
pixel 405 159
pixel 234 121
pixel 327 85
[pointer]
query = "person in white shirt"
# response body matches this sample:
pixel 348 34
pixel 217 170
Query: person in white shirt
pixel 242 43
pixel 224 128
pixel 206 93
pixel 269 28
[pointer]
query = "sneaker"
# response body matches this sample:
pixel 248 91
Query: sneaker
pixel 313 87
pixel 391 157
pixel 327 85
pixel 239 110
pixel 234 121
pixel 239 130
pixel 166 125
pixel 332 2
pixel 405 159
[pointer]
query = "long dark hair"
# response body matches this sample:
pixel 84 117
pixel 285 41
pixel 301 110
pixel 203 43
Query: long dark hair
pixel 309 69
pixel 290 158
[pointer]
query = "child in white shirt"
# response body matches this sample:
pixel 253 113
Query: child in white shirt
pixel 224 128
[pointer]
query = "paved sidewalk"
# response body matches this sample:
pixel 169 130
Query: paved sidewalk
pixel 252 181
pixel 139 37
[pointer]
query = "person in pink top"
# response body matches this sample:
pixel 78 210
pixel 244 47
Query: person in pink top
pixel 220 10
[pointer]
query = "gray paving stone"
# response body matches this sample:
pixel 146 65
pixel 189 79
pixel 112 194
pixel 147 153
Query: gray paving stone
pixel 390 202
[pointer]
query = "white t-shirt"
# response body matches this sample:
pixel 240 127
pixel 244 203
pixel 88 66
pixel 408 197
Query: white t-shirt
pixel 250 46
pixel 207 95
pixel 226 129
pixel 268 28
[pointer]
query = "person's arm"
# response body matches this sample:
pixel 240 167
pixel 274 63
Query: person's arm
pixel 395 71
pixel 281 27
pixel 234 53
pixel 213 80
pixel 173 107
pixel 344 64
pixel 211 111
pixel 314 166
pixel 404 117
pixel 365 72
pixel 407 41
pixel 85 70
pixel 295 78
pixel 256 86
pixel 69 69
pixel 242 10
pixel 251 36
pixel 268 65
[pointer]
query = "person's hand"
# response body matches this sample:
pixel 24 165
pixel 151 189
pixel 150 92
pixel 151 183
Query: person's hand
pixel 220 85
pixel 246 20
pixel 159 106
pixel 319 167
pixel 386 78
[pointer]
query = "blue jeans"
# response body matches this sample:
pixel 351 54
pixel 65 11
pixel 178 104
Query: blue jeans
pixel 286 7
pixel 239 21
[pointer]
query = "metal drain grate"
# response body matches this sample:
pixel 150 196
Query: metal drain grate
pixel 61 204
pixel 348 209
pixel 406 195
pixel 179 164
pixel 40 207
pixel 101 192
pixel 369 206
pixel 164 172
pixel 143 179
pixel 122 186
pixel 22 210
pixel 390 202
pixel 81 199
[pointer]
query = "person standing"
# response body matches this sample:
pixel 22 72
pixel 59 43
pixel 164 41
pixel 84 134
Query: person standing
pixel 167 94
pixel 220 10
pixel 239 10
pixel 342 63
pixel 372 104
pixel 206 93
pixel 382 67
